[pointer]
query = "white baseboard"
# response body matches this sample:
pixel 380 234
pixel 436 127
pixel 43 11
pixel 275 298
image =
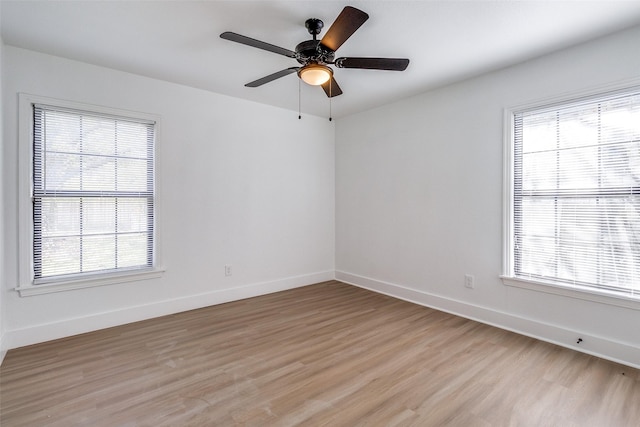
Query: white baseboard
pixel 50 331
pixel 594 345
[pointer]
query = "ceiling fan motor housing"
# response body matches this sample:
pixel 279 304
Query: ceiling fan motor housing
pixel 308 52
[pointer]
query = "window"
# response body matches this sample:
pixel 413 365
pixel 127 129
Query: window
pixel 574 195
pixel 92 194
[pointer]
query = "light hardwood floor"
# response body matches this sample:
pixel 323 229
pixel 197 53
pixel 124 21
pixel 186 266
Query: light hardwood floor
pixel 324 355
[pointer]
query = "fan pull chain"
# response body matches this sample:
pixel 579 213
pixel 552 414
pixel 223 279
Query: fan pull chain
pixel 299 103
pixel 330 88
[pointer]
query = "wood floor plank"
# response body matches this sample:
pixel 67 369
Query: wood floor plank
pixel 323 355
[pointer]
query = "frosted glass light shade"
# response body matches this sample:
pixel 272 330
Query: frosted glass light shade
pixel 315 74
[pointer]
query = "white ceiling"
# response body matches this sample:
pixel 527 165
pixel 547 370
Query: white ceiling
pixel 179 41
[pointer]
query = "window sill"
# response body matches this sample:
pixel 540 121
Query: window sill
pixel 101 280
pixel 578 292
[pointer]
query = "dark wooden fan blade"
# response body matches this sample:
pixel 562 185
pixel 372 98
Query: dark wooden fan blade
pixel 393 64
pixel 272 77
pixel 228 35
pixel 349 20
pixel 331 88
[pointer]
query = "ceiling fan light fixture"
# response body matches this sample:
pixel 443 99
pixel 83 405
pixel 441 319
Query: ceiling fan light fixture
pixel 315 74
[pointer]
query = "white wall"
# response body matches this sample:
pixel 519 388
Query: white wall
pixel 240 183
pixel 419 199
pixel 2 275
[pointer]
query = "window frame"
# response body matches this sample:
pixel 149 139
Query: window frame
pixel 508 277
pixel 26 284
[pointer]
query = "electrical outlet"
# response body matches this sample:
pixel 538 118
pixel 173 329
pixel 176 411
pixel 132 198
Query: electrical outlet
pixel 228 270
pixel 469 281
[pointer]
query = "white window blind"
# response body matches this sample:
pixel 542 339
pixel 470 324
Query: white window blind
pixel 93 193
pixel 576 186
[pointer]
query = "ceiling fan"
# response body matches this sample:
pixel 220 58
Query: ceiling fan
pixel 315 56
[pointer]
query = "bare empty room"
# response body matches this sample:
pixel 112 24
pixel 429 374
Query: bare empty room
pixel 445 232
